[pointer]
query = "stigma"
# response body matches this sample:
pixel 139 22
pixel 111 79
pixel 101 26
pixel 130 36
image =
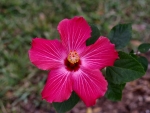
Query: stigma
pixel 73 57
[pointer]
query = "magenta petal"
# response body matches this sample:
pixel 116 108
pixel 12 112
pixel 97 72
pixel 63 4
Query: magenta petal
pixel 58 87
pixel 74 32
pixel 47 54
pixel 89 85
pixel 99 55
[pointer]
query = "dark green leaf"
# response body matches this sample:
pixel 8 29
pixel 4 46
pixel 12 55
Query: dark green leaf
pixel 134 56
pixel 125 69
pixel 144 62
pixel 114 91
pixel 67 105
pixel 94 35
pixel 132 52
pixel 144 47
pixel 120 35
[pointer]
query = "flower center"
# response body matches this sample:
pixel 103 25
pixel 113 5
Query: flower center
pixel 72 62
pixel 73 57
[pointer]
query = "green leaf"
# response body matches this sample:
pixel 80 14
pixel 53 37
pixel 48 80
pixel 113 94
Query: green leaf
pixel 143 48
pixel 120 35
pixel 114 91
pixel 67 105
pixel 94 35
pixel 144 62
pixel 125 69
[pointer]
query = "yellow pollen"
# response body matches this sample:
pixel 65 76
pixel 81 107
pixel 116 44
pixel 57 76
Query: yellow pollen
pixel 73 57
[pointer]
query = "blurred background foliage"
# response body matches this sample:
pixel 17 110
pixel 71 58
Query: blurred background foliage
pixel 22 20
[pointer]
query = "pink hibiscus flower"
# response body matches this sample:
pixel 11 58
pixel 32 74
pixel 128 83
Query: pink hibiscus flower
pixel 73 65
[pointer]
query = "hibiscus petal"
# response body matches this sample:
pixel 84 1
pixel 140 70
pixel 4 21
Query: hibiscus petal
pixel 99 55
pixel 58 87
pixel 89 85
pixel 74 33
pixel 47 54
